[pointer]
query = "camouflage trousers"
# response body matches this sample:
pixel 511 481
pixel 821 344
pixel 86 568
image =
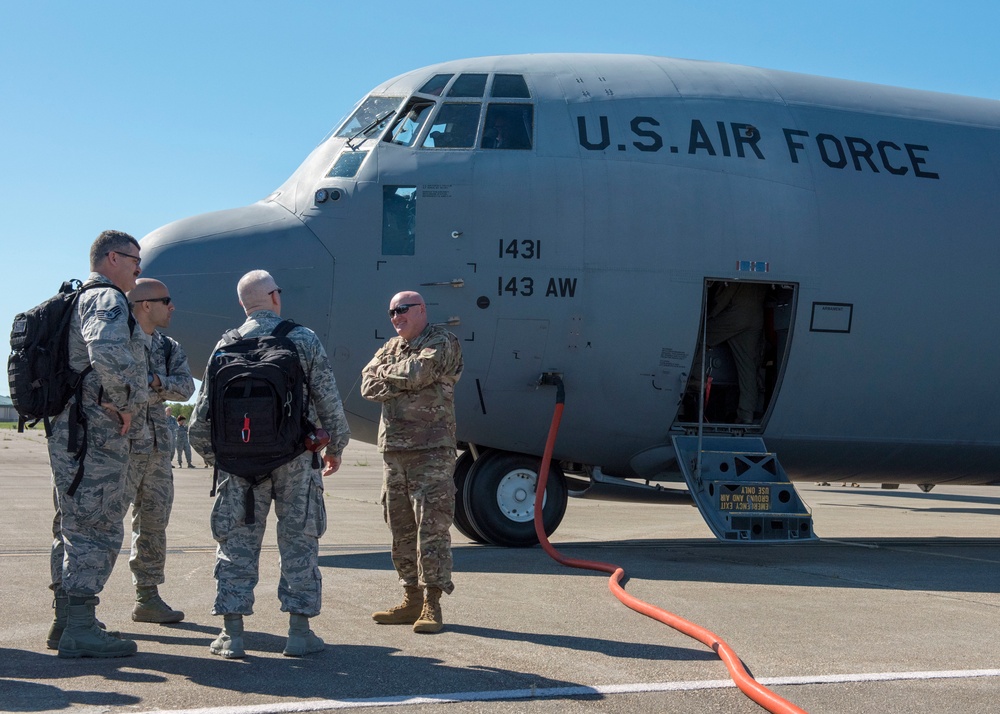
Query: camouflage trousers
pixel 418 501
pixel 296 489
pixel 87 530
pixel 150 489
pixel 183 448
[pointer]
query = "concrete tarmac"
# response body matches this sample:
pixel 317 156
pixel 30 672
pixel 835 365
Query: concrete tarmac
pixel 895 609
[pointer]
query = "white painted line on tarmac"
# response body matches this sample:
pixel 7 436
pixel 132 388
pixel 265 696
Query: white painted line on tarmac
pixel 578 691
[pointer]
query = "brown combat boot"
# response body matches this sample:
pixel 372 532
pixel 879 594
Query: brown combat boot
pixel 407 612
pixel 430 617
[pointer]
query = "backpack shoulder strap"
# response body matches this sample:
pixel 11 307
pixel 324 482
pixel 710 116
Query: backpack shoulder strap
pixel 283 328
pixel 231 336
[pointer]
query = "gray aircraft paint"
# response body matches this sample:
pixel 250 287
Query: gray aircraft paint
pixel 587 255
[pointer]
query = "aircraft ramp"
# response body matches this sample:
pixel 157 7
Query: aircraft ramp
pixel 741 489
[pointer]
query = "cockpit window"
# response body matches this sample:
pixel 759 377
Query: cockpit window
pixel 468 85
pixel 454 127
pixel 436 84
pixel 399 220
pixel 508 126
pixel 371 116
pixel 409 122
pixel 510 86
pixel 348 164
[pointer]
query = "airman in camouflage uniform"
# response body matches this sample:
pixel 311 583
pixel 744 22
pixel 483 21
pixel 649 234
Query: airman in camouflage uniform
pixel 87 528
pixel 150 478
pixel 172 427
pixel 296 489
pixel 413 375
pixel 182 442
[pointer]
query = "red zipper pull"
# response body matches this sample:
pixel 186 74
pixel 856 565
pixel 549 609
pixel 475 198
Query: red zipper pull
pixel 246 429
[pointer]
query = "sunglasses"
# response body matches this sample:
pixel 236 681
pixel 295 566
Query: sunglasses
pixel 401 309
pixel 276 290
pixel 136 258
pixel 165 300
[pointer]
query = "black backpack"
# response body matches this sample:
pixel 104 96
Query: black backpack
pixel 257 408
pixel 38 372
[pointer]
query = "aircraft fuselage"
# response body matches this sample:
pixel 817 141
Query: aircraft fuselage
pixel 585 245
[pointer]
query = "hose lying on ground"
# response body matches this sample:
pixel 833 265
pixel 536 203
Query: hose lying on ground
pixel 746 683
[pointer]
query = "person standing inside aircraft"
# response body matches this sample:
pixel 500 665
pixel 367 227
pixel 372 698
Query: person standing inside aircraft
pixel 182 443
pixel 150 478
pixel 413 376
pixel 736 317
pixel 89 449
pixel 295 487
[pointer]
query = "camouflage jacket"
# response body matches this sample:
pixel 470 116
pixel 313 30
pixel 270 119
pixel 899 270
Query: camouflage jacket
pixel 176 383
pixel 325 407
pixel 100 336
pixel 415 382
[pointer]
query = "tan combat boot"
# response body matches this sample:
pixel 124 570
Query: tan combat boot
pixel 301 640
pixel 229 643
pixel 60 604
pixel 83 638
pixel 149 607
pixel 407 612
pixel 430 617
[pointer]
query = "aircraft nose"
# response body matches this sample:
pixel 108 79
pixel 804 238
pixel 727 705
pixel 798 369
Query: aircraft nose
pixel 202 258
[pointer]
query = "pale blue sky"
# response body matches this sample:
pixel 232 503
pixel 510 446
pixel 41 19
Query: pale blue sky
pixel 130 115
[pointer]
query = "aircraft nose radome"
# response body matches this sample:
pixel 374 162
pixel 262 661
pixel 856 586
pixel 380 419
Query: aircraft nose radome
pixel 202 258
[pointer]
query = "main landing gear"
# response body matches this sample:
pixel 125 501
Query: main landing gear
pixel 495 498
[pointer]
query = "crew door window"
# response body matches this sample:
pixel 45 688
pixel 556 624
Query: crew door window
pixel 399 220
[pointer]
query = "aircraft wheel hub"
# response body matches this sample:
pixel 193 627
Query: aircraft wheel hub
pixel 516 495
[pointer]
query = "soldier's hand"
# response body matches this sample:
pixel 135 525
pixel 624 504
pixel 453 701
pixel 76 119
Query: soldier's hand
pixel 331 464
pixel 124 418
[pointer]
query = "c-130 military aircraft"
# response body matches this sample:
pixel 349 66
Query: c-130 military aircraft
pixel 573 218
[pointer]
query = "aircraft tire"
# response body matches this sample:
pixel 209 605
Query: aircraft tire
pixel 499 498
pixel 461 520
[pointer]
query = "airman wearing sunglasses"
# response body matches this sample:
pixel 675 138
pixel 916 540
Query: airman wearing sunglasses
pixel 89 449
pixel 295 489
pixel 150 478
pixel 414 375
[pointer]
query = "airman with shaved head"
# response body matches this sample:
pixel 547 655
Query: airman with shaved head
pixel 413 376
pixel 295 488
pixel 150 477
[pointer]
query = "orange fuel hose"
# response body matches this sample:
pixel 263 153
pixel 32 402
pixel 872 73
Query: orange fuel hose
pixel 746 683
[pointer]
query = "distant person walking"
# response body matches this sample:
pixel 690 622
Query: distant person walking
pixel 150 477
pixel 413 376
